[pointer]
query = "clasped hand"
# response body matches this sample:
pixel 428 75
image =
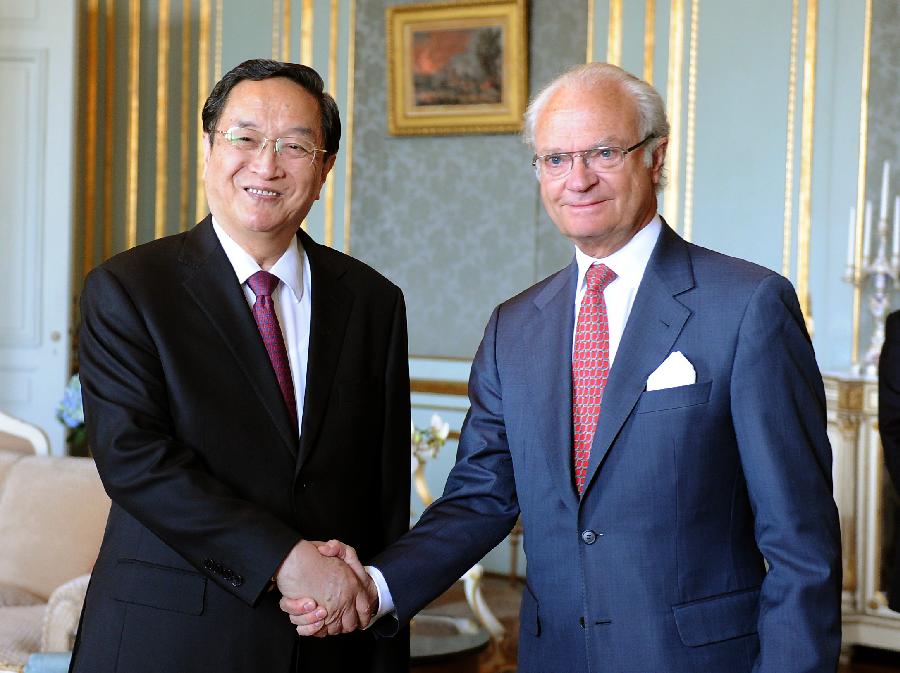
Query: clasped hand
pixel 325 589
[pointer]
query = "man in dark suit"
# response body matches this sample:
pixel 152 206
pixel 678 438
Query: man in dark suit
pixel 246 390
pixel 692 527
pixel 889 428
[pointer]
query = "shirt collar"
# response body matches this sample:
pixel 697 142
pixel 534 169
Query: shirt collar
pixel 629 261
pixel 288 268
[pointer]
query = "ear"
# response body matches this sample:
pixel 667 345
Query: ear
pixel 659 159
pixel 207 148
pixel 327 165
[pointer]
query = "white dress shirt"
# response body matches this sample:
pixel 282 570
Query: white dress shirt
pixel 629 264
pixel 292 300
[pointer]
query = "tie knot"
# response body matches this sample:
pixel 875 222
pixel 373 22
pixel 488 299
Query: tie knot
pixel 598 277
pixel 263 283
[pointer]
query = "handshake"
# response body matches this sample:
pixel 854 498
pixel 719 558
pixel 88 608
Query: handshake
pixel 325 590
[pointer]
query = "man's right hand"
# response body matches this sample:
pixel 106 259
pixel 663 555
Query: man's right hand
pixel 332 582
pixel 311 619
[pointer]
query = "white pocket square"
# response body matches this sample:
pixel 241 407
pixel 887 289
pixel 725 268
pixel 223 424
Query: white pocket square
pixel 673 372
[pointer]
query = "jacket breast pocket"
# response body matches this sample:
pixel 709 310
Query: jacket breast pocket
pixel 674 398
pixel 712 620
pixel 159 587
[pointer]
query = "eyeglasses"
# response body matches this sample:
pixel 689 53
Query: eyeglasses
pixel 250 140
pixel 600 159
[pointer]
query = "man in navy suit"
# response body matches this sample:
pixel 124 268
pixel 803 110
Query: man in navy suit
pixel 692 527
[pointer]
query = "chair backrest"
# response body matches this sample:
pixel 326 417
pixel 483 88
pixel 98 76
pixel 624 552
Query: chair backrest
pixel 18 435
pixel 52 514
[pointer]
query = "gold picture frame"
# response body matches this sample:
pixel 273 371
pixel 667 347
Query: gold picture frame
pixel 457 67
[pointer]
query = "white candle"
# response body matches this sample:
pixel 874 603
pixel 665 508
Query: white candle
pixel 851 239
pixel 885 177
pixel 895 248
pixel 867 232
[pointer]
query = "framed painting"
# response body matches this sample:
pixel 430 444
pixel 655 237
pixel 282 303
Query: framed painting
pixel 457 67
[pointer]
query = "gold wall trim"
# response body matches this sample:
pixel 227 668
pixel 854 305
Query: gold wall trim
pixel 861 181
pixel 332 89
pixel 90 132
pixel 134 104
pixel 649 39
pixel 690 150
pixel 202 92
pixel 307 21
pixel 790 151
pixel 109 101
pixel 674 87
pixel 614 42
pixel 217 70
pixel 286 31
pixel 162 120
pixel 804 219
pixel 591 13
pixel 184 158
pixel 351 89
pixel 438 387
pixel 276 28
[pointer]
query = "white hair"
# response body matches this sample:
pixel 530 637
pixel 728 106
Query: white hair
pixel 651 109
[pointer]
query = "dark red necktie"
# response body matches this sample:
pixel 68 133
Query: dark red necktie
pixel 263 285
pixel 590 367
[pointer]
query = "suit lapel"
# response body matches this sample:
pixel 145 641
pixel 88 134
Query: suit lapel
pixel 214 287
pixel 656 320
pixel 551 353
pixel 331 304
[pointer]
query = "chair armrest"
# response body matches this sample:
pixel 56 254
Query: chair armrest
pixel 62 615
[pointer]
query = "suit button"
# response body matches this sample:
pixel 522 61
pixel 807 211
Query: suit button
pixel 237 581
pixel 589 537
pixel 209 565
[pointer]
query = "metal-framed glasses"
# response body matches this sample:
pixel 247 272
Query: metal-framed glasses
pixel 253 142
pixel 600 159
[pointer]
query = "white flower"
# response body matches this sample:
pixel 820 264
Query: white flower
pixel 439 428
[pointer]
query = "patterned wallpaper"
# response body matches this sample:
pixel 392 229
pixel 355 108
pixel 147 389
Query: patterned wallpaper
pixel 884 100
pixel 456 221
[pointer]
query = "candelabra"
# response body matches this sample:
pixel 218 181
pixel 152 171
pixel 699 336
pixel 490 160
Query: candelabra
pixel 881 271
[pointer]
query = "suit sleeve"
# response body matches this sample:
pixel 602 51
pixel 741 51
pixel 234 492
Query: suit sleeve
pixel 889 397
pixel 477 509
pixel 778 408
pixel 146 471
pixel 395 474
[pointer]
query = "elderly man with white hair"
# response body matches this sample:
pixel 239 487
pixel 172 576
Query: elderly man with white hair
pixel 655 414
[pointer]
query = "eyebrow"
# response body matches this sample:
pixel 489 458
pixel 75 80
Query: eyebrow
pixel 296 130
pixel 609 141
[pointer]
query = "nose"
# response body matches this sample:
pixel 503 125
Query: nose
pixel 266 163
pixel 580 178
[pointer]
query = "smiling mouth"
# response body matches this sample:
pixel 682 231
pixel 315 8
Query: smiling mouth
pixel 260 192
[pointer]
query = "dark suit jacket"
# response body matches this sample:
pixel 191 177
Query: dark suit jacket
pixel 659 566
pixel 210 486
pixel 889 427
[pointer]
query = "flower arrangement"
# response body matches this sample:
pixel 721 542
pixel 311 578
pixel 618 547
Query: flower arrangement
pixel 424 444
pixel 428 441
pixel 70 413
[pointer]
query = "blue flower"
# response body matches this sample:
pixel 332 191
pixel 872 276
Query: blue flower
pixel 70 411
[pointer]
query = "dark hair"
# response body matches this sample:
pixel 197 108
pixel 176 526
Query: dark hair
pixel 258 69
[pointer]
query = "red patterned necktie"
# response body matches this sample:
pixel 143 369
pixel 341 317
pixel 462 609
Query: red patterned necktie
pixel 590 366
pixel 263 285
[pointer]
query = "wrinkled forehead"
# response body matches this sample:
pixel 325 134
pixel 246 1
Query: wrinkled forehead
pixel 576 117
pixel 276 100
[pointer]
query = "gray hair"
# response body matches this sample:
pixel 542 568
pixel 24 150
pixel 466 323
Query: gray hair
pixel 650 106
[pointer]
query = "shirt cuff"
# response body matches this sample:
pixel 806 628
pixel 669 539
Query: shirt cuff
pixel 385 601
